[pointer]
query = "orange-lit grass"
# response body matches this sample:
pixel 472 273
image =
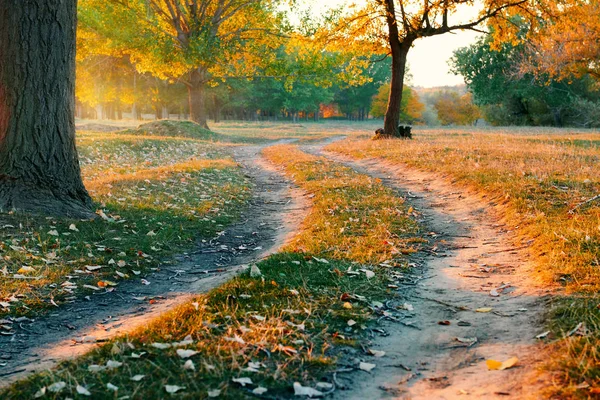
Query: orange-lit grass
pixel 355 216
pixel 291 319
pixel 533 181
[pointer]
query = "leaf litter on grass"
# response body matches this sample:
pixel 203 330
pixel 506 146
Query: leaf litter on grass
pixel 289 320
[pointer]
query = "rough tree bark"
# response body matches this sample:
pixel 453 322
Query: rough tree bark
pixel 39 166
pixel 399 54
pixel 196 93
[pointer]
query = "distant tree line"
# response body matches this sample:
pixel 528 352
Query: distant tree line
pixel 508 92
pixel 111 88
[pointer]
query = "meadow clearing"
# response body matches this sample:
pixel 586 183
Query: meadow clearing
pixel 301 317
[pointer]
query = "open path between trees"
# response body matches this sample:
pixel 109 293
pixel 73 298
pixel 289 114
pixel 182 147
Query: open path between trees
pixel 468 294
pixel 472 297
pixel 275 212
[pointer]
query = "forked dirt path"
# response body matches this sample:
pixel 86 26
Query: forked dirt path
pixel 275 212
pixel 443 355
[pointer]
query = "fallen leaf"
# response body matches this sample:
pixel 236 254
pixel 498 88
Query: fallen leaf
pixel 542 335
pixel 214 393
pixel 189 365
pixel 137 378
pixel 260 390
pixel 73 228
pixel 366 366
pixel 112 387
pixel 242 381
pixel 498 365
pixel 161 346
pixel 351 322
pixel 255 272
pixel 484 309
pixel 494 293
pixel 57 387
pixel 376 353
pixel 300 390
pixel 347 305
pixel 186 353
pixel 96 368
pixel 111 364
pixel 40 393
pixel 83 391
pixel 173 388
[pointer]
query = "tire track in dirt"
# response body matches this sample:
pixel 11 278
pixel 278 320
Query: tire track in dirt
pixel 275 212
pixel 471 255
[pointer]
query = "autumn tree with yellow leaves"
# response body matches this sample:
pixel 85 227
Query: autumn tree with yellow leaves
pixel 397 24
pixel 195 42
pixel 563 39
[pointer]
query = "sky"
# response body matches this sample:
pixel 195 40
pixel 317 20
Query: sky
pixel 428 59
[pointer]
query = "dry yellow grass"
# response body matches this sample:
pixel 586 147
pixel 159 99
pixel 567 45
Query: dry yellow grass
pixel 536 183
pixel 533 180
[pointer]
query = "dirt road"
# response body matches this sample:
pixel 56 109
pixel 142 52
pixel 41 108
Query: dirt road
pixel 275 211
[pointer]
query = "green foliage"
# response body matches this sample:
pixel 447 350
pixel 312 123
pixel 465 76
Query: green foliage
pixel 357 100
pixel 411 109
pixel 511 98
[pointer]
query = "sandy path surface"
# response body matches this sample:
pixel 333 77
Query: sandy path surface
pixel 472 265
pixel 275 212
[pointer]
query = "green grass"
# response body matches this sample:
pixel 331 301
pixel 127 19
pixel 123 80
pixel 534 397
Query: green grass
pixel 291 321
pixel 158 196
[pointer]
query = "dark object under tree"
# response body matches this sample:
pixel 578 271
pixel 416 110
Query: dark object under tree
pixel 404 132
pixel 39 166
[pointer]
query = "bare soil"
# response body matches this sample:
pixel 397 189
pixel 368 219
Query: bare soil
pixel 472 254
pixel 275 211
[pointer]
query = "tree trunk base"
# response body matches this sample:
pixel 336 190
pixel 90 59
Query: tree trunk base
pixel 16 196
pixel 403 132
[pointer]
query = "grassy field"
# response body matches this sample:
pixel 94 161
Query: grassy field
pixel 156 195
pixel 286 321
pixel 538 181
pixel 282 322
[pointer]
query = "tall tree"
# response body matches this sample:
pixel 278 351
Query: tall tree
pixel 39 166
pixel 196 42
pixel 404 22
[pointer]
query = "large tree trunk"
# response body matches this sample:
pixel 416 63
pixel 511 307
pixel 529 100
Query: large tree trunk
pixel 39 166
pixel 197 99
pixel 399 54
